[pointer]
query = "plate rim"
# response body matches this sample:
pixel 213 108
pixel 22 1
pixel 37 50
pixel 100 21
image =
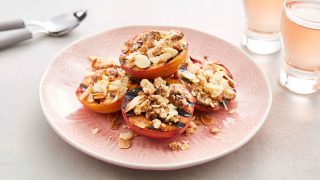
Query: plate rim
pixel 171 166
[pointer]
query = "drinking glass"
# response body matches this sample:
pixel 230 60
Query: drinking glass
pixel 262 35
pixel 300 27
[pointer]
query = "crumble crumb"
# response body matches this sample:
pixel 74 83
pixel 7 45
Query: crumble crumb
pixel 109 138
pixel 185 146
pixel 191 129
pixel 95 131
pixel 177 145
pixel 214 130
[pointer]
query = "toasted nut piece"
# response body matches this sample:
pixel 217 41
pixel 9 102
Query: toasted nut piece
pixel 101 62
pixel 219 75
pixel 124 144
pixel 206 119
pixel 140 122
pixel 229 94
pixel 126 136
pixel 156 123
pixel 98 95
pixel 155 60
pixel 193 68
pixel 175 145
pixel 185 146
pixel 135 101
pixel 214 130
pixel 90 98
pixel 171 113
pixel 85 93
pixel 142 61
pixel 190 76
pixel 165 57
pixel 159 81
pixel 189 131
pixel 113 88
pixel 214 90
pixel 147 86
pixel 99 87
pixel 172 51
pixel 193 125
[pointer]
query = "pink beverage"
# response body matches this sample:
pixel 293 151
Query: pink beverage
pixel 302 39
pixel 263 25
pixel 300 29
pixel 263 15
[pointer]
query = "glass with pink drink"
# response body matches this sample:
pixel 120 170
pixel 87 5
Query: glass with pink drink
pixel 262 35
pixel 300 27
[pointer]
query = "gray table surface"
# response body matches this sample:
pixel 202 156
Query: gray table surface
pixel 287 146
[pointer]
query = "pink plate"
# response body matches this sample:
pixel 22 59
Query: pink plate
pixel 74 123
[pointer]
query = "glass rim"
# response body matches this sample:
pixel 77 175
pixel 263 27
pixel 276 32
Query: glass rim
pixel 299 20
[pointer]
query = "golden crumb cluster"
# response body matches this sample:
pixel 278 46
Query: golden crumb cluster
pixel 104 85
pixel 152 48
pixel 210 84
pixel 153 101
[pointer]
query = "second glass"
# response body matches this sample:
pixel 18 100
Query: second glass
pixel 300 29
pixel 262 35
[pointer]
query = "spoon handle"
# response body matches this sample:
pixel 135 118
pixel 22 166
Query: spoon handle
pixel 13 24
pixel 14 37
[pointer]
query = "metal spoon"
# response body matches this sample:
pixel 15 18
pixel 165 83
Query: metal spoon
pixel 56 26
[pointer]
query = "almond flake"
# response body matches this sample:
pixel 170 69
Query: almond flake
pixel 190 76
pixel 173 52
pixel 124 144
pixel 90 98
pixel 142 61
pixel 98 96
pixel 135 101
pixel 126 136
pixel 85 93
